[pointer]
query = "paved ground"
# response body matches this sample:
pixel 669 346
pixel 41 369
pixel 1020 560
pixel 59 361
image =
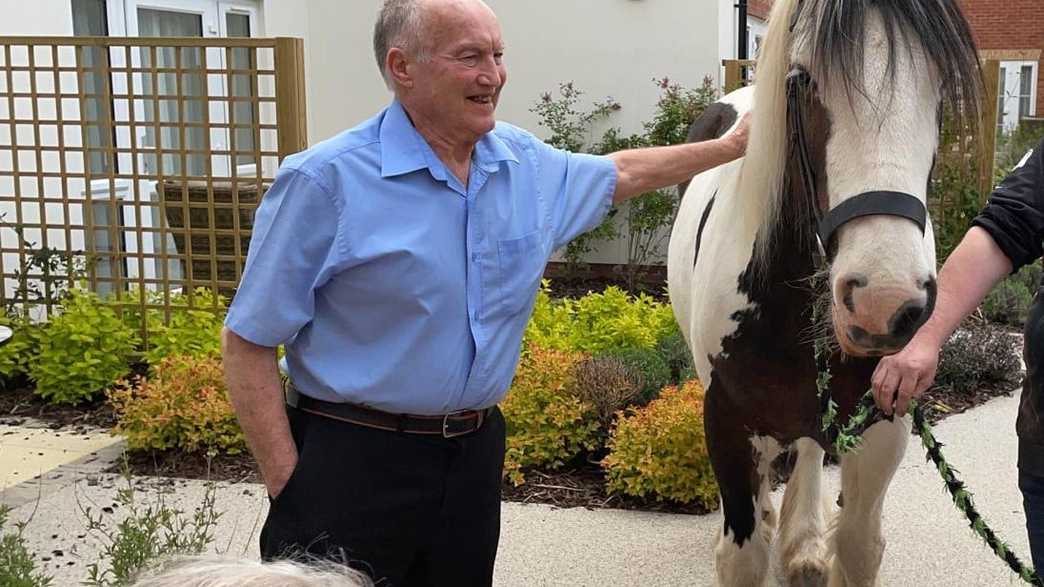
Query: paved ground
pixel 928 544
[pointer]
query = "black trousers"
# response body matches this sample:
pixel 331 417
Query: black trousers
pixel 407 509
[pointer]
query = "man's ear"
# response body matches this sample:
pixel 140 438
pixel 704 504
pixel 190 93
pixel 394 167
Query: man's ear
pixel 397 64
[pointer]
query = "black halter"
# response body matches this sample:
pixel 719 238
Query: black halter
pixel 864 204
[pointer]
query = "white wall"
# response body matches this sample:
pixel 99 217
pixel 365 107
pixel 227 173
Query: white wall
pixel 607 47
pixel 36 17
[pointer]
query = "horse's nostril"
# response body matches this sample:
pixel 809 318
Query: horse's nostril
pixel 858 335
pixel 907 319
pixel 849 283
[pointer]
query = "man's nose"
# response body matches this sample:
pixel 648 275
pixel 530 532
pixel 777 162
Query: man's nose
pixel 490 74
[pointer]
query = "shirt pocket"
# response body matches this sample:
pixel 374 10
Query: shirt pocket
pixel 520 265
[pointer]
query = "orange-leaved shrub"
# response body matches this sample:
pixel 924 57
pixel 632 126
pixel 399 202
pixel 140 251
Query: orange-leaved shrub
pixel 660 450
pixel 182 405
pixel 547 422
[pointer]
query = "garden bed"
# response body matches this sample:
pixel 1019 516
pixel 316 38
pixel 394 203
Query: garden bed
pixel 579 485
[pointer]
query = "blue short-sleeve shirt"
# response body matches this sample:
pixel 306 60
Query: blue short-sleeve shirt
pixel 395 286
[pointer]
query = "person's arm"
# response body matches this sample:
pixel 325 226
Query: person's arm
pixel 644 170
pixel 1005 235
pixel 255 391
pixel 971 271
pixel 641 170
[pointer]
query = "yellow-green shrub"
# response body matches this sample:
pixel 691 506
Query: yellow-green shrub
pixel 660 450
pixel 18 352
pixel 83 351
pixel 191 330
pixel 182 405
pixel 547 423
pixel 194 332
pixel 599 322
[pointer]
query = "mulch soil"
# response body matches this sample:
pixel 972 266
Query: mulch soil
pixel 20 404
pixel 579 484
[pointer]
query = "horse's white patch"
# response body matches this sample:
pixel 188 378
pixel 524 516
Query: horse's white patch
pixel 742 566
pixel 855 539
pixel 803 519
pixel 704 313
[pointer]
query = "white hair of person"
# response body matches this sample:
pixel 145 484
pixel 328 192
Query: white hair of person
pixel 214 571
pixel 399 25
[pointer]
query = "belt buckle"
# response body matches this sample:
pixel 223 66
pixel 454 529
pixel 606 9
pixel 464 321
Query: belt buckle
pixel 445 426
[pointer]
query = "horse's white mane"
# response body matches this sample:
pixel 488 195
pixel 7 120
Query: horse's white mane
pixel 761 178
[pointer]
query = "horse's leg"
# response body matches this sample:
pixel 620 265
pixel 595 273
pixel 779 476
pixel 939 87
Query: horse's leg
pixel 803 522
pixel 742 551
pixel 856 541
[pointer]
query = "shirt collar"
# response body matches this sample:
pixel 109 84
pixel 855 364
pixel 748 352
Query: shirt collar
pixel 404 150
pixel 490 151
pixel 401 144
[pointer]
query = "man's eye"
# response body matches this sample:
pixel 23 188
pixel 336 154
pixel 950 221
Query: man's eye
pixel 469 59
pixel 498 58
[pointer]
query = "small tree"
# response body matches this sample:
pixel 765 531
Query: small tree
pixel 649 214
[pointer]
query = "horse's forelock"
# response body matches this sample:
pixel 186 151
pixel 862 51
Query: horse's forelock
pixel 836 30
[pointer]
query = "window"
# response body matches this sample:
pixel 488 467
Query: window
pixel 1018 93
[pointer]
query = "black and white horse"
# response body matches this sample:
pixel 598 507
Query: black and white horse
pixel 845 127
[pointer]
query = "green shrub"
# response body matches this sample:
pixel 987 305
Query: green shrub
pixel 1013 146
pixel 192 332
pixel 978 356
pixel 1008 303
pixel 17 565
pixel 678 356
pixel 551 324
pixel 18 353
pixel 660 450
pixel 645 218
pixel 182 405
pixel 547 423
pixel 599 323
pixel 83 351
pixel 649 367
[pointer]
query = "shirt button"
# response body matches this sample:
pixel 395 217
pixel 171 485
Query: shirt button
pixel 474 257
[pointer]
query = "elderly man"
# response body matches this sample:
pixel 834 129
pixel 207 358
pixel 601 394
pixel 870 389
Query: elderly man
pixel 398 262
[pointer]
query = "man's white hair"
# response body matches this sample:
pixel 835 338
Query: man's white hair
pixel 212 571
pixel 399 24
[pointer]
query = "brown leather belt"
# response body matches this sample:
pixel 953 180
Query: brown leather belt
pixel 447 426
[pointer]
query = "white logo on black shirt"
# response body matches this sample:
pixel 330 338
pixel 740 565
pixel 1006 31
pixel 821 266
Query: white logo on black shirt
pixel 1024 159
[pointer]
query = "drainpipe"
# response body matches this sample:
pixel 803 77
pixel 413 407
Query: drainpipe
pixel 741 37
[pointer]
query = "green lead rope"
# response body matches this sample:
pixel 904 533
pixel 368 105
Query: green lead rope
pixel 847 438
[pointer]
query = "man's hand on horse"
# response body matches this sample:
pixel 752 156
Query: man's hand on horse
pixel 737 139
pixel 904 376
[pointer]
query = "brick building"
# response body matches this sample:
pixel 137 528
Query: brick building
pixel 1011 31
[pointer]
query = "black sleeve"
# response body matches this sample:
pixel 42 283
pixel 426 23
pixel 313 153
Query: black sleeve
pixel 1014 216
